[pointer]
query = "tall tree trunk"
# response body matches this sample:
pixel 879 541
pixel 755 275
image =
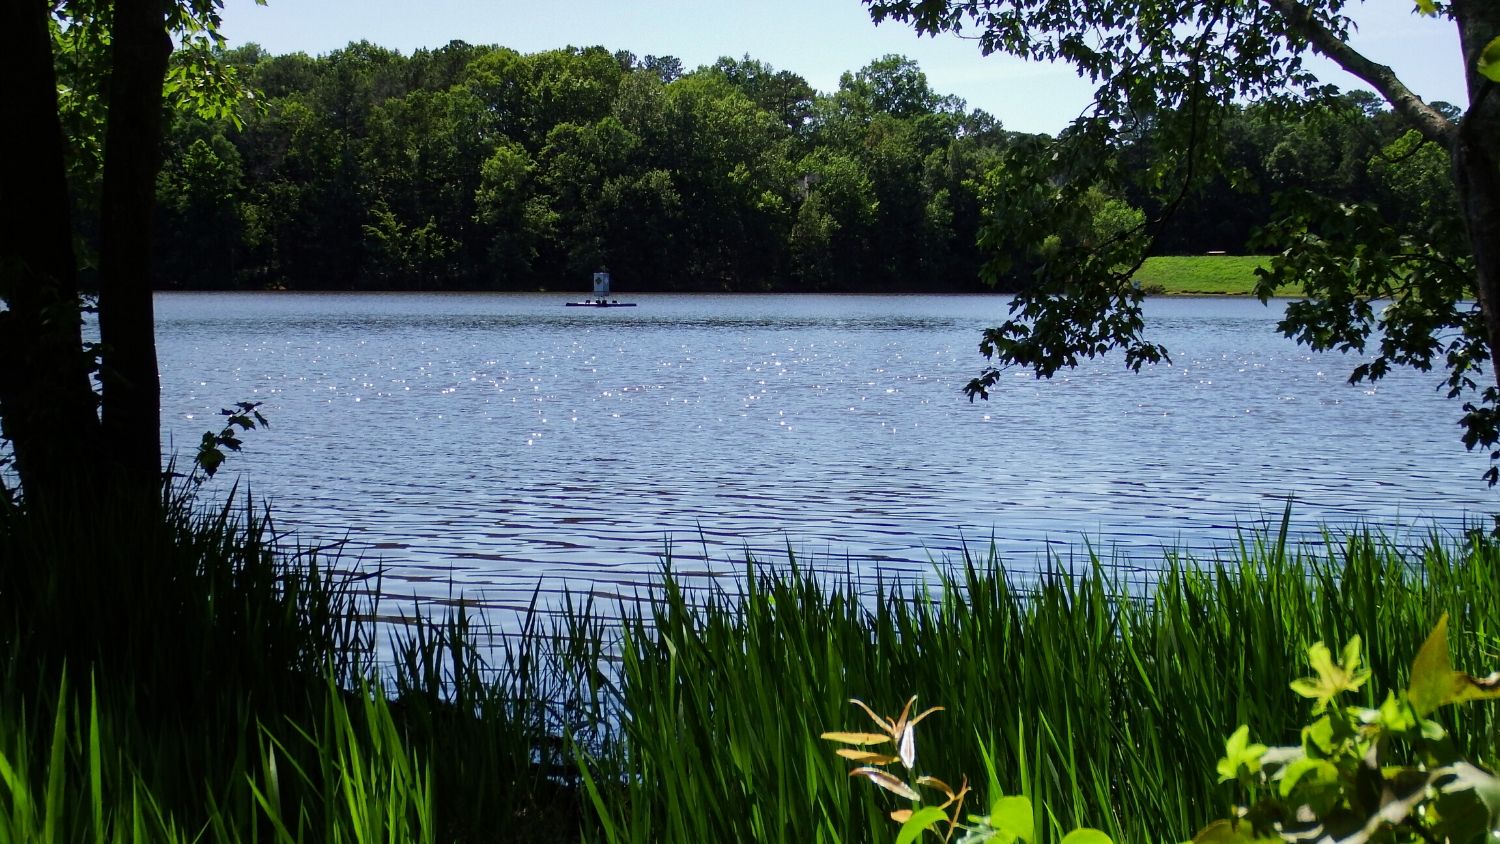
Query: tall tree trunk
pixel 1476 163
pixel 131 414
pixel 47 404
pixel 1477 173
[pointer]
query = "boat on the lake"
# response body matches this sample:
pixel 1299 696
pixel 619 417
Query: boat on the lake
pixel 600 303
pixel 601 299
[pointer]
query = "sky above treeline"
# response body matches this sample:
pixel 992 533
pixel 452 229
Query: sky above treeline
pixel 818 39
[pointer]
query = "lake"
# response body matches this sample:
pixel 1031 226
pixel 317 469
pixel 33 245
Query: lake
pixel 490 443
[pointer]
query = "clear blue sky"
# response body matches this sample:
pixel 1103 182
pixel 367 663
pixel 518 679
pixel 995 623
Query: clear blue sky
pixel 816 38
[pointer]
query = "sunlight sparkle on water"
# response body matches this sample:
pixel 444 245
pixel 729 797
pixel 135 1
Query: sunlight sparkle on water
pixel 447 492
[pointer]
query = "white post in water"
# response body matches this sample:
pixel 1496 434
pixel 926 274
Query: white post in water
pixel 601 284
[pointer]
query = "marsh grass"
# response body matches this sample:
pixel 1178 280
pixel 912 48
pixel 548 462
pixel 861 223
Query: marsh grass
pixel 1106 711
pixel 190 604
pixel 241 703
pixel 232 695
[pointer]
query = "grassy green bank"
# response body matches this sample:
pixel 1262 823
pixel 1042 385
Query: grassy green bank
pixel 1203 275
pixel 1104 693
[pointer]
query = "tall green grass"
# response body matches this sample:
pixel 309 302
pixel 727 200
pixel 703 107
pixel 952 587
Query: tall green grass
pixel 234 696
pixel 364 782
pixel 1108 711
pixel 215 687
pixel 190 604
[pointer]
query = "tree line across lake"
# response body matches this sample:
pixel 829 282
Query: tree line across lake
pixel 478 167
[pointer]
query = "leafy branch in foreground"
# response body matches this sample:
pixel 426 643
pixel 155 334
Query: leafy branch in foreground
pixel 1360 774
pixel 1168 75
pixel 1010 819
pixel 244 416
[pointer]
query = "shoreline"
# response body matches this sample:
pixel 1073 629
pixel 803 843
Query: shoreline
pixel 1162 275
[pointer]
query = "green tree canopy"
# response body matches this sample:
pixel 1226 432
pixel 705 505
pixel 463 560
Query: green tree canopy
pixel 1175 71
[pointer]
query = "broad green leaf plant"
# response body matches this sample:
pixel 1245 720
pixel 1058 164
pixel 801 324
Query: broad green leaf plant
pixel 1388 774
pixel 1010 819
pixel 1360 774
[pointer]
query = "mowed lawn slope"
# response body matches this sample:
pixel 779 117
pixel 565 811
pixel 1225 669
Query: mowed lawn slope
pixel 1204 275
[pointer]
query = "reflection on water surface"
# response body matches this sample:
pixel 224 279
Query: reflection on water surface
pixel 490 441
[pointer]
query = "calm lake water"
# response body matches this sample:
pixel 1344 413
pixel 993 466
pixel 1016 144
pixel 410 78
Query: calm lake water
pixel 488 444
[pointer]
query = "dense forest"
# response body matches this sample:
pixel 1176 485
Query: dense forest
pixel 477 167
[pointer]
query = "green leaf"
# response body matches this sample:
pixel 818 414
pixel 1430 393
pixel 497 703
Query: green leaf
pixel 1319 739
pixel 1435 683
pixel 1489 61
pixel 1084 835
pixel 1224 832
pixel 1240 753
pixel 920 821
pixel 56 781
pixel 1317 771
pixel 96 775
pixel 1427 7
pixel 1396 715
pixel 1332 678
pixel 1013 815
pixel 1322 738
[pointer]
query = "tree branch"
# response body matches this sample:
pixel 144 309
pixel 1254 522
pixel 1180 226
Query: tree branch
pixel 1424 118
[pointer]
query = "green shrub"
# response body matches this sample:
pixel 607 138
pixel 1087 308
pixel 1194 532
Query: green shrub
pixel 1360 773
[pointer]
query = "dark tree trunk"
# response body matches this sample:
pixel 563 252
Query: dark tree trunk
pixel 47 404
pixel 1477 174
pixel 1476 164
pixel 131 415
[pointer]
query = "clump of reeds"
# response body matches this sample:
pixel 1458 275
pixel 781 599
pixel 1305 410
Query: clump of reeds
pixel 1102 696
pixel 184 678
pixel 232 695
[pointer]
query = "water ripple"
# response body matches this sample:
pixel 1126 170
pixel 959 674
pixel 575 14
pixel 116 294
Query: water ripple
pixel 492 444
